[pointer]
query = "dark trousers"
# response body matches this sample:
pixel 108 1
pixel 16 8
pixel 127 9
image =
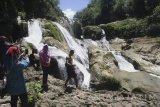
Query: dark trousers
pixel 71 74
pixel 23 98
pixel 45 77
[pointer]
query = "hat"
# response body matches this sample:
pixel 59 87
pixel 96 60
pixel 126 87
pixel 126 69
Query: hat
pixel 14 49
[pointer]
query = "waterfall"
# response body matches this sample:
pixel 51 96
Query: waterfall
pixel 105 43
pixel 122 62
pixel 80 53
pixel 35 37
pixel 34 32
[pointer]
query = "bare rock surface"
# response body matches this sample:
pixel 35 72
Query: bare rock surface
pixel 58 96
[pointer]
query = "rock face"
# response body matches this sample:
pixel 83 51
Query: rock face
pixel 102 64
pixel 144 55
pixel 141 86
pixel 142 80
pixel 92 32
pixel 58 96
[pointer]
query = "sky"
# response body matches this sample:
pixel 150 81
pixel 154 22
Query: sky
pixel 70 7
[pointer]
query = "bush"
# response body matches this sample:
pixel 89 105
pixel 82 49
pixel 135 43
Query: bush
pixel 156 11
pixel 154 29
pixel 92 32
pixel 34 91
pixel 125 29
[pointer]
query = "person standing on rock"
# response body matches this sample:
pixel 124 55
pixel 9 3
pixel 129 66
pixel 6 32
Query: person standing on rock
pixel 45 59
pixel 70 69
pixel 15 80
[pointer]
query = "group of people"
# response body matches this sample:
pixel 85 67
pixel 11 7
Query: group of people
pixel 14 61
pixel 45 59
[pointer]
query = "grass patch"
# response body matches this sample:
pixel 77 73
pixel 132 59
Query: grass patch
pixel 34 92
pixel 53 32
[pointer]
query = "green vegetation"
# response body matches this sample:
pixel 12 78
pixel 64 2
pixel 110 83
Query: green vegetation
pixel 122 18
pixel 53 31
pixel 128 28
pixel 34 91
pixel 77 29
pixel 27 9
pixel 93 32
pixel 154 23
pixel 105 11
pixel 30 9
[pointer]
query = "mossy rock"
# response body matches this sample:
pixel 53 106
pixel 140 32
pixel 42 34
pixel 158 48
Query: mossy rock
pixel 53 31
pixel 102 64
pixel 128 28
pixel 92 32
pixel 109 56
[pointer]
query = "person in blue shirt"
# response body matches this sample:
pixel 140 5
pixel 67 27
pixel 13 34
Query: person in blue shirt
pixel 15 80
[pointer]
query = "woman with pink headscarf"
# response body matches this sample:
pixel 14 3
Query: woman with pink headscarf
pixel 45 63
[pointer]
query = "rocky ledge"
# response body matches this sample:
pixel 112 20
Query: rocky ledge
pixel 58 96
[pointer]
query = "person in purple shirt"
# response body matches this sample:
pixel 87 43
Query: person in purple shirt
pixel 45 59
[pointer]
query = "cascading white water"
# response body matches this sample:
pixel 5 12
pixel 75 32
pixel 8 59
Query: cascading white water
pixel 79 51
pixel 122 62
pixel 35 36
pixel 104 43
pixel 34 32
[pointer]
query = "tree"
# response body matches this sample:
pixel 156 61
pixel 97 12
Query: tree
pixel 118 10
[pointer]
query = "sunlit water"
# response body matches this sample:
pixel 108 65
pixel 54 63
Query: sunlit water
pixel 80 53
pixel 123 63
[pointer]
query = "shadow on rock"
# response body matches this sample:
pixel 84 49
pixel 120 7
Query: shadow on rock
pixel 69 89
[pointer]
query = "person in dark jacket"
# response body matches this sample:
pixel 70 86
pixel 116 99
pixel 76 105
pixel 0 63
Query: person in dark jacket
pixel 15 80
